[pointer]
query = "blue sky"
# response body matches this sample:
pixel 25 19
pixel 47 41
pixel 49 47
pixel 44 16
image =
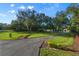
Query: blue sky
pixel 8 10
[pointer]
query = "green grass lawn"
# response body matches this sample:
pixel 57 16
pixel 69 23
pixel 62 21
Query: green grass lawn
pixel 56 52
pixel 5 35
pixel 61 41
pixel 15 35
pixel 58 41
pixel 36 35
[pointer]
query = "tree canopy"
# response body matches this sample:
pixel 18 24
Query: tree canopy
pixel 30 20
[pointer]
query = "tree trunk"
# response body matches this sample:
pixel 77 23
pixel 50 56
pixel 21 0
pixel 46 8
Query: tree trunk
pixel 76 42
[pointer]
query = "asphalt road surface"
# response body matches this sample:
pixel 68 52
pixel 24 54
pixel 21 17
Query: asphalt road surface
pixel 23 47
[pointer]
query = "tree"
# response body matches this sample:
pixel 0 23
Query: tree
pixel 60 21
pixel 4 26
pixel 44 22
pixel 1 26
pixel 26 21
pixel 73 10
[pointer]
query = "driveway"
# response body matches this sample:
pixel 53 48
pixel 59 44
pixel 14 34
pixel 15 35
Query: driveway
pixel 24 47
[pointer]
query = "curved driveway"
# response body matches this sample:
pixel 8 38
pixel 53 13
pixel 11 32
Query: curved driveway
pixel 24 47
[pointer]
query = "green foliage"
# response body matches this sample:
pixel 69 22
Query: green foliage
pixel 73 10
pixel 26 21
pixel 4 26
pixel 30 20
pixel 60 21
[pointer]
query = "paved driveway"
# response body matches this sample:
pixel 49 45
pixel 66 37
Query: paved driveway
pixel 24 47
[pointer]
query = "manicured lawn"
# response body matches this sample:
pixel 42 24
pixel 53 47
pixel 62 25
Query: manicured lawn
pixel 15 35
pixel 61 41
pixel 55 42
pixel 5 35
pixel 56 52
pixel 36 35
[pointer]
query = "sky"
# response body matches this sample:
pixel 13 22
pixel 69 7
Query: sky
pixel 8 11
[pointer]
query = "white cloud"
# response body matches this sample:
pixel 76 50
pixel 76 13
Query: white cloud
pixel 22 7
pixel 30 7
pixel 12 11
pixel 2 15
pixel 12 5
